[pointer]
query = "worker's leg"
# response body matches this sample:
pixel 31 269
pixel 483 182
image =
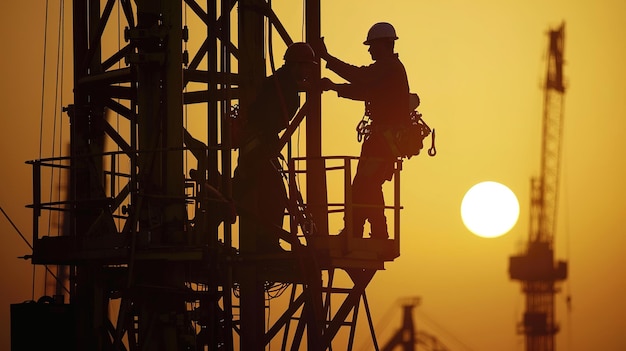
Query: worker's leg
pixel 374 168
pixel 271 208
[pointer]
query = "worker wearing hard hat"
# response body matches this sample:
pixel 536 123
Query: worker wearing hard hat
pixel 384 87
pixel 258 187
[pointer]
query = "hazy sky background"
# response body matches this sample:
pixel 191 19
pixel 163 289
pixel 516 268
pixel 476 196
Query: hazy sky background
pixel 478 67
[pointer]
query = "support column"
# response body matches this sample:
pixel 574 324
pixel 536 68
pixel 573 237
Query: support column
pixel 315 178
pixel 251 72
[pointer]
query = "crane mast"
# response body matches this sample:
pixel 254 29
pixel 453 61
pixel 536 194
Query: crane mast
pixel 536 268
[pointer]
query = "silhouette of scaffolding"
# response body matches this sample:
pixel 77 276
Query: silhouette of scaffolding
pixel 153 261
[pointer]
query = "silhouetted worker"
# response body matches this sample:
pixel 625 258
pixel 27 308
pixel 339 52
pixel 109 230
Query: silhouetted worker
pixel 209 192
pixel 384 87
pixel 258 185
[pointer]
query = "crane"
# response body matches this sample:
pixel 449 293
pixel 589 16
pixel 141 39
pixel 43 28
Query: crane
pixel 407 337
pixel 536 268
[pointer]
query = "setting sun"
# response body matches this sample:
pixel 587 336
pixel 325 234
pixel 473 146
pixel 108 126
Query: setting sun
pixel 489 209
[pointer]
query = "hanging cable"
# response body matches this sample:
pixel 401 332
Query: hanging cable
pixel 58 96
pixel 43 88
pixel 62 80
pixel 303 29
pixel 270 41
pixel 43 79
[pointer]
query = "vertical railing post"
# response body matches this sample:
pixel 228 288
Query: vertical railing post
pixel 291 175
pixel 348 198
pixel 113 174
pixel 36 198
pixel 396 204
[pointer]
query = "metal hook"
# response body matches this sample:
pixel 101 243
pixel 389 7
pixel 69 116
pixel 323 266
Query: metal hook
pixel 432 151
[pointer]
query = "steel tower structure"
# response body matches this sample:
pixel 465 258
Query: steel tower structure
pixel 152 265
pixel 536 268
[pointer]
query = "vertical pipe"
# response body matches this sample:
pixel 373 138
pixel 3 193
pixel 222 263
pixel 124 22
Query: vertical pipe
pixel 174 180
pixel 212 116
pixel 315 177
pixel 316 188
pixel 226 107
pixel 251 72
pixel 85 16
pixel 113 174
pixel 226 161
pixel 348 207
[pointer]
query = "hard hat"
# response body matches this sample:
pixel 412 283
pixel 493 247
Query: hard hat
pixel 300 52
pixel 380 30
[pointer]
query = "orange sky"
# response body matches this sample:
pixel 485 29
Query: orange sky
pixel 478 67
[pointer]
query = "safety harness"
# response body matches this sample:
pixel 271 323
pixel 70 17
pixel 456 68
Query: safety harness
pixel 404 140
